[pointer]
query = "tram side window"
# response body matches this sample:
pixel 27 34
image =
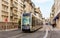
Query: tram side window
pixel 33 21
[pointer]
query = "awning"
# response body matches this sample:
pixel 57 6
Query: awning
pixel 56 17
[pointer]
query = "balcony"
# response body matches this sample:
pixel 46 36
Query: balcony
pixel 15 4
pixel 5 8
pixel 5 15
pixel 15 9
pixel 6 11
pixel 15 21
pixel 16 1
pixel 15 17
pixel 32 5
pixel 21 11
pixel 23 0
pixel 4 2
pixel 14 14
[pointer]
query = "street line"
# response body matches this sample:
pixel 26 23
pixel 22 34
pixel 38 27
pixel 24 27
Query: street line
pixel 46 34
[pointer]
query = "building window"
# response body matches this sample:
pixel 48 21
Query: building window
pixel 5 7
pixel 24 6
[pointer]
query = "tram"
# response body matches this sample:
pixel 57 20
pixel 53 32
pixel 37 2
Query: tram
pixel 29 22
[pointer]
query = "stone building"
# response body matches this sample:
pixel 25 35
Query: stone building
pixel 11 10
pixel 52 15
pixel 56 13
pixel 28 6
pixel 38 14
pixel 10 13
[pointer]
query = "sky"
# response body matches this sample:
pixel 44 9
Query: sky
pixel 45 6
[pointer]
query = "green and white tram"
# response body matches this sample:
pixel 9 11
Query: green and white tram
pixel 30 22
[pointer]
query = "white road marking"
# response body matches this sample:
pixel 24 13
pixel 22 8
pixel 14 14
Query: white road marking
pixel 46 34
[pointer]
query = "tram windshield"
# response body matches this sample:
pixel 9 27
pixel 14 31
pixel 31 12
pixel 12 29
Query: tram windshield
pixel 26 20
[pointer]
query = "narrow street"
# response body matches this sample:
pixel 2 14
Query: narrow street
pixel 19 17
pixel 41 33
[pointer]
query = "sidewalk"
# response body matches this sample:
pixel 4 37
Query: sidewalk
pixel 56 29
pixel 8 30
pixel 50 28
pixel 46 27
pixel 6 34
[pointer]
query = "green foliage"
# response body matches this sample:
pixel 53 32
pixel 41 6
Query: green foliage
pixel 19 23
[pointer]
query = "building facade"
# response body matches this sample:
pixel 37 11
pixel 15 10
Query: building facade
pixel 38 14
pixel 10 13
pixel 52 15
pixel 28 6
pixel 56 13
pixel 11 10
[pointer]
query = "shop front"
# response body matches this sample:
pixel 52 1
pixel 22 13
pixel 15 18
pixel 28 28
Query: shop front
pixel 57 20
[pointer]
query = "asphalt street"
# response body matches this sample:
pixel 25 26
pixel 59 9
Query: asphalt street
pixel 6 34
pixel 47 33
pixel 37 34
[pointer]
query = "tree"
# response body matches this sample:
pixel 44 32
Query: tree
pixel 19 23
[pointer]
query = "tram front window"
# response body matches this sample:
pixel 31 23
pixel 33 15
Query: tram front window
pixel 26 20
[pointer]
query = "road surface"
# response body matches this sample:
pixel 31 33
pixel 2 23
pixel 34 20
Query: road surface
pixel 45 32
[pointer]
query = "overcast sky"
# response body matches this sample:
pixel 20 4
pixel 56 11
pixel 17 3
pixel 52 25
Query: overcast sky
pixel 45 6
